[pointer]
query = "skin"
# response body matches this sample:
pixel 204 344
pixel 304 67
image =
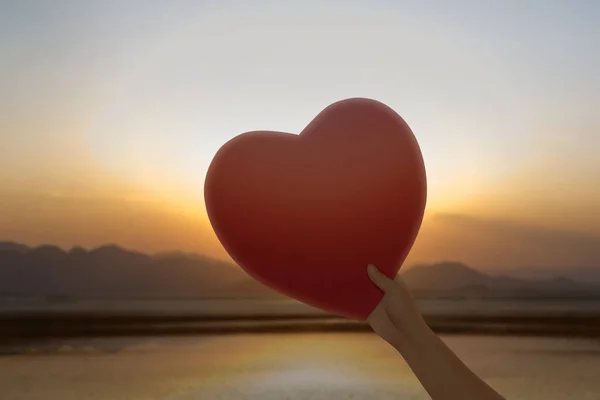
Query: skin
pixel 398 321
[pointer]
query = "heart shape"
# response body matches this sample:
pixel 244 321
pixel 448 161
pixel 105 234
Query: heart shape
pixel 305 214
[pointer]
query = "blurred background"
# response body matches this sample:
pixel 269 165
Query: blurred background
pixel 112 282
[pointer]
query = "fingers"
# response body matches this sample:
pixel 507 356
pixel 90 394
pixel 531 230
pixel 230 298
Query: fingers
pixel 380 280
pixel 382 325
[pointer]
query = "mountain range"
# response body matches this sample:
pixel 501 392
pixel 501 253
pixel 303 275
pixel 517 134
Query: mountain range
pixel 110 271
pixel 113 272
pixel 454 278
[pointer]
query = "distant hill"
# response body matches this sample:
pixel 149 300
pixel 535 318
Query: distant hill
pixel 445 276
pixel 8 246
pixel 454 278
pixel 580 274
pixel 112 272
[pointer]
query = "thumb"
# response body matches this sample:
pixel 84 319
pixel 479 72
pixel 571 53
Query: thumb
pixel 380 280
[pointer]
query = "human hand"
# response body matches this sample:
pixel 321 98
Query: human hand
pixel 396 319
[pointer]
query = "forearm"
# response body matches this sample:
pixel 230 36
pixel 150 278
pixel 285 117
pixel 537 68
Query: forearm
pixel 443 375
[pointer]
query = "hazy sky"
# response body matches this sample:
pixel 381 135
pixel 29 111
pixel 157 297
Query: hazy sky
pixel 110 111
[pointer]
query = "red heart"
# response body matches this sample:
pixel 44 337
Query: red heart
pixel 305 214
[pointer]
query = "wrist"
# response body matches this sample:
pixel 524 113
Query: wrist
pixel 414 336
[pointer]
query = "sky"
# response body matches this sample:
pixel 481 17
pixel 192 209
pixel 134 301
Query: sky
pixel 111 111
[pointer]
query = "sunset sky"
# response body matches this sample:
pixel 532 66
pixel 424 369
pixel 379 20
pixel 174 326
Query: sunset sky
pixel 111 111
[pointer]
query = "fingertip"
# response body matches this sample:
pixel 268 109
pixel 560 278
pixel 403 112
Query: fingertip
pixel 376 276
pixel 372 271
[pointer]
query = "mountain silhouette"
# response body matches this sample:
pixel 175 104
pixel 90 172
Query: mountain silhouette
pixel 445 276
pixel 112 272
pixel 21 248
pixel 458 278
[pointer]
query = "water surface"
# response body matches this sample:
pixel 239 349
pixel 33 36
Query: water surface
pixel 286 366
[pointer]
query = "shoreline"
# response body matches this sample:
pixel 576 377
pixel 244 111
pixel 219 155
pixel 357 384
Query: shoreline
pixel 23 327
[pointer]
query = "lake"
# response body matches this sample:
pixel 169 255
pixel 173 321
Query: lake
pixel 296 366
